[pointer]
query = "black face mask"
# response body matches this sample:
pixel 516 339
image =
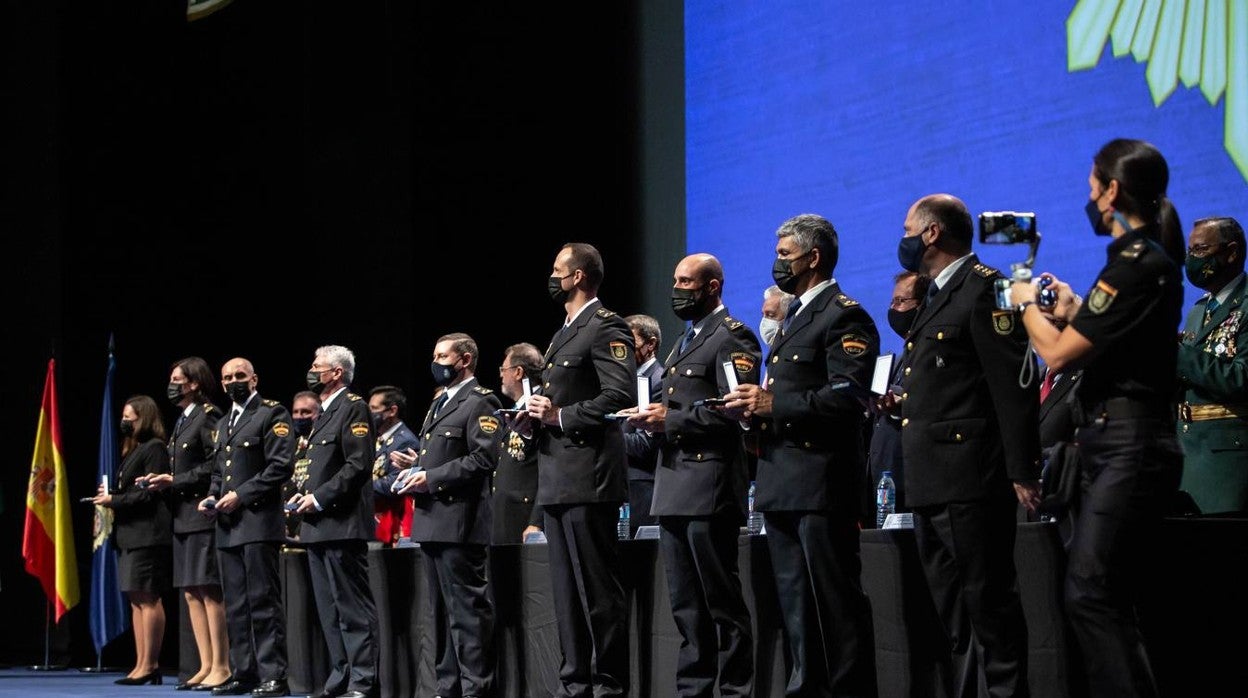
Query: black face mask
pixel 303 425
pixel 314 382
pixel 378 419
pixel 687 302
pixel 238 391
pixel 1094 217
pixel 174 393
pixel 127 427
pixel 902 320
pixel 443 374
pixel 554 286
pixel 782 273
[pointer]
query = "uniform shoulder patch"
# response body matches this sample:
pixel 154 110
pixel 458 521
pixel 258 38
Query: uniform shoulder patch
pixel 732 323
pixel 488 423
pixel 854 344
pixel 270 403
pixel 1134 251
pixel 359 429
pixel 1003 321
pixel 210 408
pixel 743 362
pixel 353 397
pixel 481 389
pixel 282 429
pixel 619 351
pixel 1101 295
pixel 604 313
pixel 986 271
pixel 845 301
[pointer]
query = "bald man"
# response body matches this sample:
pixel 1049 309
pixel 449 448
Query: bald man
pixel 701 482
pixel 254 450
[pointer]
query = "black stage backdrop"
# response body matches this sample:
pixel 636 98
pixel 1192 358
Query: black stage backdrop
pixel 283 175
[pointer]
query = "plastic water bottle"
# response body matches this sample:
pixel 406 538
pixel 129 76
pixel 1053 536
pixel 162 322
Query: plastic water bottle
pixel 621 528
pixel 753 524
pixel 885 498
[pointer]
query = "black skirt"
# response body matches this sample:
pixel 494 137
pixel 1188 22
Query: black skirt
pixel 145 569
pixel 195 559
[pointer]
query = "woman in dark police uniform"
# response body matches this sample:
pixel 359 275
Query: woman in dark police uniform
pixel 1123 336
pixel 142 532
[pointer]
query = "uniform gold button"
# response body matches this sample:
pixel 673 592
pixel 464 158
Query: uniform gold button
pixel 227 478
pixel 673 371
pixel 788 425
pixel 770 380
pixel 428 434
pixel 547 384
pixel 423 451
pixel 493 489
pixel 795 357
pixel 957 437
pixel 905 395
pixel 227 463
pixel 699 456
pixel 565 362
pixel 806 444
pixel 940 335
pixel 447 434
pixel 763 426
pixel 905 421
pixel 526 500
pixel 775 359
pixel 671 390
pixel 550 365
pixel 227 449
pixel 909 345
pixel 688 371
pixel 907 371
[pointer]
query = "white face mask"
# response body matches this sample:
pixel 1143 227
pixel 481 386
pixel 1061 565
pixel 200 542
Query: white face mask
pixel 767 330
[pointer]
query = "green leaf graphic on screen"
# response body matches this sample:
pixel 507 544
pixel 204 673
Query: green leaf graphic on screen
pixel 1196 41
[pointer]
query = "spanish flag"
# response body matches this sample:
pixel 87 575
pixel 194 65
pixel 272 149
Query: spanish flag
pixel 48 544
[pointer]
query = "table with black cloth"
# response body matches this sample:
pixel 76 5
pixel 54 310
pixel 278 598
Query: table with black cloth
pixel 1193 598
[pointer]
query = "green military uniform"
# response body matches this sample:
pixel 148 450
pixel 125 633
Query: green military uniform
pixel 1213 419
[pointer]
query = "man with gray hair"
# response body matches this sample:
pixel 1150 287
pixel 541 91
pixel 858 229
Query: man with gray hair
pixel 336 502
pixel 775 304
pixel 811 462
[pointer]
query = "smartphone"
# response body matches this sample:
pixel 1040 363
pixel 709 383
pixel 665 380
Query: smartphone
pixel 616 416
pixel 509 412
pixel 290 506
pixel 710 402
pixel 210 504
pixel 1007 227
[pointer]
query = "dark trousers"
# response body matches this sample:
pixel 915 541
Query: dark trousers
pixel 344 603
pixel 463 617
pixel 700 559
pixel 1131 469
pixel 827 617
pixel 967 551
pixel 590 610
pixel 254 620
pixel 640 495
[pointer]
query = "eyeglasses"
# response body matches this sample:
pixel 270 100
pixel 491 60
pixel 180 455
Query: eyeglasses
pixel 507 368
pixel 1202 249
pixel 899 300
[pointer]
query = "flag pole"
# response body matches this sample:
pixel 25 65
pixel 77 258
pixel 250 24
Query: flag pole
pixel 47 643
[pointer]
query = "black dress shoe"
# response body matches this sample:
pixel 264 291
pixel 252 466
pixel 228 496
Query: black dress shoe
pixel 153 678
pixel 234 687
pixel 271 689
pixel 184 686
pixel 327 694
pixel 357 694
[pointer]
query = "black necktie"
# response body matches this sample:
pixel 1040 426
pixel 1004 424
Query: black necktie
pixel 931 293
pixel 177 427
pixel 792 313
pixel 234 419
pixel 437 405
pixel 684 342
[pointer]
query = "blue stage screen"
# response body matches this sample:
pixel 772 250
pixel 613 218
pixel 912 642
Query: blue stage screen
pixel 855 110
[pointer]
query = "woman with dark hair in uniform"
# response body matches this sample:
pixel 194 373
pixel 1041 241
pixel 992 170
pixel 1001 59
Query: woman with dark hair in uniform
pixel 142 532
pixel 1123 337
